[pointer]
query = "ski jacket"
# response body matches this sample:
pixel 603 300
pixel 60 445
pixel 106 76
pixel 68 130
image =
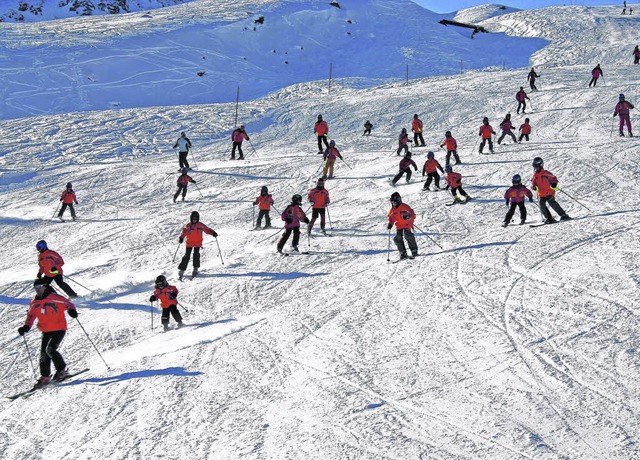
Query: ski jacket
pixel 368 125
pixel 532 76
pixel 416 125
pixel 68 197
pixel 521 96
pixel 264 202
pixel 525 128
pixel 450 142
pixel 506 125
pixel 486 131
pixel 454 179
pixel 319 198
pixel 292 216
pixel 517 194
pixel 403 138
pixel 184 180
pixel 402 216
pixel 183 144
pixel 239 135
pixel 48 260
pixel 167 296
pixel 193 234
pixel 406 163
pixel 636 52
pixel 331 154
pixel 543 182
pixel 49 311
pixel 623 108
pixel 321 128
pixel 597 72
pixel 430 166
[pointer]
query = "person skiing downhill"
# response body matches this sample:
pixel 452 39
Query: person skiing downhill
pixel 452 148
pixel 595 74
pixel 292 215
pixel 183 144
pixel 368 126
pixel 167 295
pixel 525 130
pixel 454 181
pixel 403 140
pixel 49 309
pixel 506 126
pixel 622 110
pixel 405 168
pixel 532 79
pixel 237 136
pixel 330 155
pixel 192 232
pixel 321 130
pixel 486 131
pixel 264 202
pixel 402 216
pixel 545 185
pixel 183 182
pixel 514 197
pixel 416 127
pixel 319 199
pixel 636 55
pixel 50 268
pixel 430 168
pixel 68 197
pixel 521 97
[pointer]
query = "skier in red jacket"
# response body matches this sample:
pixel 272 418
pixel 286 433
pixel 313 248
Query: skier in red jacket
pixel 192 232
pixel 68 197
pixel 545 185
pixel 506 126
pixel 182 183
pixel 452 148
pixel 264 203
pixel 405 168
pixel 50 268
pixel 167 295
pixel 292 216
pixel 321 130
pixel 319 199
pixel 430 168
pixel 486 131
pixel 515 196
pixel 237 136
pixel 525 130
pixel 454 181
pixel 416 127
pixel 402 216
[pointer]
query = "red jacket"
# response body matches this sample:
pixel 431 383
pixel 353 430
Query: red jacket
pixel 321 128
pixel 430 166
pixel 319 198
pixel 239 135
pixel 68 197
pixel 403 138
pixel 167 296
pixel 264 202
pixel 50 259
pixel 184 180
pixel 521 96
pixel 193 234
pixel 402 216
pixel 486 131
pixel 506 125
pixel 517 194
pixel 454 179
pixel 450 142
pixel 525 128
pixel 50 312
pixel 416 125
pixel 331 154
pixel 542 182
pixel 406 163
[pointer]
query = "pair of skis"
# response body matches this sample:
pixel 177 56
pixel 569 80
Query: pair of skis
pixel 26 394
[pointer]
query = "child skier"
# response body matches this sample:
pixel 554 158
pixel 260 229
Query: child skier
pixel 486 131
pixel 545 185
pixel 237 136
pixel 405 168
pixel 183 182
pixel 622 110
pixel 403 140
pixel 506 126
pixel 636 55
pixel 183 144
pixel 264 202
pixel 595 74
pixel 329 157
pixel 68 197
pixel 514 197
pixel 454 180
pixel 368 126
pixel 452 148
pixel 525 130
pixel 521 97
pixel 321 130
pixel 402 216
pixel 168 301
pixel 193 234
pixel 430 168
pixel 319 199
pixel 49 309
pixel 292 215
pixel 50 268
pixel 416 127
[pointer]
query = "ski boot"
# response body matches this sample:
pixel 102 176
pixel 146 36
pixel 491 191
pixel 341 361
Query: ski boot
pixel 504 224
pixel 294 248
pixel 180 324
pixel 324 232
pixel 630 134
pixel 174 200
pixel 279 250
pixel 165 327
pixel 550 220
pixel 60 375
pixel 43 381
pixel 621 134
pixel 565 217
pixel 522 221
pixel 468 198
pixel 403 255
pixel 194 272
pixel 180 274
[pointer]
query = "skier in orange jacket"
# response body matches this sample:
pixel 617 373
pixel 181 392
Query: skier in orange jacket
pixel 402 216
pixel 68 197
pixel 182 183
pixel 545 185
pixel 192 232
pixel 167 295
pixel 264 202
pixel 50 268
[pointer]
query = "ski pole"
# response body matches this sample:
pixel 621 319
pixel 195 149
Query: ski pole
pixel 425 234
pixel 193 157
pixel 321 164
pixel 475 145
pixel 389 247
pixel 329 217
pixel 253 148
pixel 219 251
pixel 253 215
pixel 308 236
pixel 530 105
pixel 175 253
pixel 613 120
pixel 183 307
pixel 575 200
pixel 29 354
pixel 151 309
pixel 56 211
pixel 346 163
pixel 271 236
pixel 198 189
pixel 94 345
pixel 82 286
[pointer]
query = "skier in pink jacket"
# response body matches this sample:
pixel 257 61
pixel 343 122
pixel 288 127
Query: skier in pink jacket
pixel 622 110
pixel 595 74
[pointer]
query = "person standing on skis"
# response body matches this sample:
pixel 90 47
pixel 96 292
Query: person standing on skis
pixel 515 196
pixel 192 233
pixel 545 185
pixel 506 126
pixel 50 268
pixel 368 126
pixel 595 74
pixel 68 197
pixel 319 199
pixel 525 130
pixel 521 97
pixel 292 215
pixel 430 168
pixel 403 140
pixel 416 127
pixel 402 216
pixel 167 295
pixel 183 182
pixel 405 168
pixel 532 79
pixel 454 181
pixel 452 148
pixel 330 155
pixel 636 55
pixel 486 131
pixel 264 203
pixel 622 110
pixel 321 130
pixel 183 144
pixel 237 136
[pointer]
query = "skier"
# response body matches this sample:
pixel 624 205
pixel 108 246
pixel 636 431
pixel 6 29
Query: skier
pixel 622 110
pixel 183 182
pixel 430 168
pixel 416 127
pixel 403 140
pixel 319 199
pixel 193 234
pixel 321 129
pixel 68 197
pixel 329 157
pixel 405 168
pixel 521 97
pixel 367 128
pixel 506 126
pixel 402 216
pixel 514 197
pixel 485 132
pixel 532 79
pixel 454 180
pixel 525 130
pixel 636 55
pixel 183 144
pixel 264 202
pixel 50 268
pixel 49 309
pixel 292 215
pixel 168 301
pixel 545 185
pixel 238 135
pixel 595 74
pixel 452 148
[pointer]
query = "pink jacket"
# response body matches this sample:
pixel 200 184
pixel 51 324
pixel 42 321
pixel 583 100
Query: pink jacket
pixel 292 216
pixel 517 194
pixel 623 108
pixel 239 135
pixel 597 72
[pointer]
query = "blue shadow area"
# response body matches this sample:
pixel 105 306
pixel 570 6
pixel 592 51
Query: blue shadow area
pixel 94 305
pixel 13 300
pixel 498 162
pixel 244 176
pixel 104 381
pixel 480 246
pixel 266 276
pixel 368 252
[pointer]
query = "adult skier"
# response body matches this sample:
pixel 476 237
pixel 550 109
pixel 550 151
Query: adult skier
pixel 403 140
pixel 264 202
pixel 50 268
pixel 183 182
pixel 454 181
pixel 595 74
pixel 452 148
pixel 506 126
pixel 49 309
pixel 237 136
pixel 525 130
pixel 183 144
pixel 486 131
pixel 321 130
pixel 430 168
pixel 521 97
pixel 292 215
pixel 532 79
pixel 368 126
pixel 514 197
pixel 416 127
pixel 545 185
pixel 622 110
pixel 402 216
pixel 330 155
pixel 319 199
pixel 636 55
pixel 68 197
pixel 192 232
pixel 405 168
pixel 167 295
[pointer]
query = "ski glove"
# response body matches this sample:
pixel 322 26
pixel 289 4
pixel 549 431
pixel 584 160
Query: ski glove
pixel 54 270
pixel 306 220
pixel 23 329
pixel 152 298
pixel 507 203
pixel 389 226
pixel 76 202
pixel 181 240
pixel 554 186
pixel 214 234
pixel 173 296
pixel 288 220
pixel 530 200
pixel 39 275
pixel 73 312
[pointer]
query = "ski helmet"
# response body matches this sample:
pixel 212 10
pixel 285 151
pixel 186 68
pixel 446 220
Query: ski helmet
pixel 184 170
pixel 415 115
pixel 319 117
pixel 621 97
pixel 195 216
pixel 448 168
pixel 161 281
pixel 485 120
pixel 526 120
pixel 241 126
pixel 447 134
pixel 41 246
pixel 516 180
pixel 395 199
pixel 332 143
pixel 69 185
pixel 182 134
pixel 407 155
pixel 430 155
pixel 537 163
pixel 264 191
pixel 404 130
pixel 296 199
pixel 508 115
pixel 522 88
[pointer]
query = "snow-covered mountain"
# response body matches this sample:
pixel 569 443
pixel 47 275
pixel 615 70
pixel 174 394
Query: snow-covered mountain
pixel 495 343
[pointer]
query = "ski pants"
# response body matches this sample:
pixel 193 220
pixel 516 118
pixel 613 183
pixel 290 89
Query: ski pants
pixel 367 131
pixel 418 136
pixel 315 212
pixel 49 352
pixel 512 210
pixel 483 142
pixel 173 309
pixel 237 145
pixel 322 139
pixel 73 211
pixel 523 136
pixel 532 84
pixel 551 200
pixel 181 188
pixel 60 282
pixel 455 155
pixel 455 190
pixel 433 176
pixel 328 167
pixel 624 118
pixel 187 256
pixel 285 237
pixel 505 133
pixel 182 159
pixel 593 81
pixel 522 104
pixel 267 219
pixel 402 147
pixel 636 60
pixel 411 240
pixel 399 175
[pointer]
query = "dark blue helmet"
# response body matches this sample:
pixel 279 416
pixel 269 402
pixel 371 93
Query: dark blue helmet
pixel 41 246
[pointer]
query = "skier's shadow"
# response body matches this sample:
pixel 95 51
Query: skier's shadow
pixel 266 276
pixel 104 381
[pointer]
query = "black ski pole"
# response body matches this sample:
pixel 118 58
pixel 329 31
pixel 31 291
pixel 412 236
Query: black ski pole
pixel 329 217
pixel 389 247
pixel 253 148
pixel 613 120
pixel 253 215
pixel 271 236
pixel 198 189
pixel 319 167
pixel 575 200
pixel 82 286
pixel 56 211
pixel 94 345
pixel 425 234
pixel 346 163
pixel 183 307
pixel 151 315
pixel 29 354
pixel 195 163
pixel 175 253
pixel 219 251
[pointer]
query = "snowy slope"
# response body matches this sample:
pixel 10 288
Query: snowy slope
pixel 507 343
pixel 481 12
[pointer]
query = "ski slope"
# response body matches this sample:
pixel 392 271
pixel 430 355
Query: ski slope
pixel 507 343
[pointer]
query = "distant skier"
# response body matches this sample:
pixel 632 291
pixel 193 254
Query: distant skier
pixel 402 216
pixel 319 199
pixel 183 182
pixel 521 97
pixel 430 168
pixel 330 155
pixel 595 74
pixel 506 126
pixel 545 185
pixel 532 79
pixel 238 135
pixel 68 197
pixel 405 168
pixel 50 268
pixel 452 148
pixel 416 127
pixel 183 144
pixel 192 232
pixel 454 181
pixel 636 55
pixel 525 130
pixel 292 216
pixel 486 131
pixel 167 295
pixel 264 202
pixel 368 126
pixel 622 110
pixel 514 197
pixel 403 140
pixel 49 309
pixel 321 130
